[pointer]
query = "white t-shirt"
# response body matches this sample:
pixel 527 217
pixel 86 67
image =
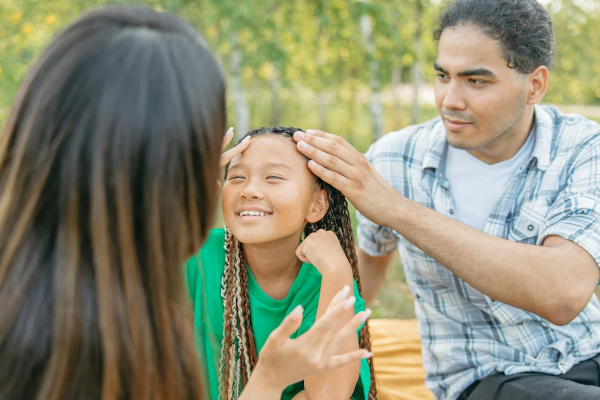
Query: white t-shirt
pixel 476 186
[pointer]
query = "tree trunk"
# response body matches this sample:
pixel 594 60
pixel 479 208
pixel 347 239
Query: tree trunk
pixel 321 97
pixel 375 103
pixel 396 91
pixel 417 73
pixel 242 112
pixel 275 102
pixel 352 116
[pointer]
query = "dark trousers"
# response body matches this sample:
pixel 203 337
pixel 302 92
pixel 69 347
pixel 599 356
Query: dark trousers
pixel 582 382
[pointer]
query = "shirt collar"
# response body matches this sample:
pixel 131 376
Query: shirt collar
pixel 543 131
pixel 436 147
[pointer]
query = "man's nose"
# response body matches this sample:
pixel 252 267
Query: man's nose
pixel 454 98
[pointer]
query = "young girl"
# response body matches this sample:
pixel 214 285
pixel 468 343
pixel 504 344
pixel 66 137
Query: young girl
pixel 248 277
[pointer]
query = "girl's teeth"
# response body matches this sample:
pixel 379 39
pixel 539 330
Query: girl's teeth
pixel 252 213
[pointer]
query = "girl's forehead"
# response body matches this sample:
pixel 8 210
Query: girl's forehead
pixel 267 148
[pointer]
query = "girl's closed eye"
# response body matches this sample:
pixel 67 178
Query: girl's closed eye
pixel 274 177
pixel 234 177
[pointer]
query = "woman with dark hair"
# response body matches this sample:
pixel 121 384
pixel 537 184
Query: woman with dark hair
pixel 108 168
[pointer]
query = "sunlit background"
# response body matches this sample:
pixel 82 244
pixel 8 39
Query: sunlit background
pixel 355 68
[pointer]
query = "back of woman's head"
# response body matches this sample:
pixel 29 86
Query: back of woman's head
pixel 108 169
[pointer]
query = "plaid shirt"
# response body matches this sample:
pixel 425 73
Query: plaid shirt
pixel 465 334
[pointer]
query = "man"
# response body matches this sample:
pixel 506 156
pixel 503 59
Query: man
pixel 494 208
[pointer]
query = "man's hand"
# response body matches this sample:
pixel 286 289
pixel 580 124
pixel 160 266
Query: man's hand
pixel 338 163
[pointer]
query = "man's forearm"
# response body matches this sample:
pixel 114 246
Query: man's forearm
pixel 537 279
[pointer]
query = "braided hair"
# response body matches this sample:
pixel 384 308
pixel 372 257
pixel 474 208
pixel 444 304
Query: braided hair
pixel 238 352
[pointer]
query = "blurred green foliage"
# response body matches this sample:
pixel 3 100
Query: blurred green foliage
pixel 296 53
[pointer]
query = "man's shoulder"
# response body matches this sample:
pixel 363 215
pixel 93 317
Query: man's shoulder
pixel 569 131
pixel 411 141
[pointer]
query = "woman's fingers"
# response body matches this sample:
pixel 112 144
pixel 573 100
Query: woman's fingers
pixel 289 325
pixel 345 359
pixel 318 336
pixel 227 138
pixel 231 153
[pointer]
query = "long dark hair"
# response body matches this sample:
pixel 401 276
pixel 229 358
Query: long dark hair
pixel 238 354
pixel 108 169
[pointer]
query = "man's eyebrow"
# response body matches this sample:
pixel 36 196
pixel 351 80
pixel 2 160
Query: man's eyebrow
pixel 477 72
pixel 437 67
pixel 470 72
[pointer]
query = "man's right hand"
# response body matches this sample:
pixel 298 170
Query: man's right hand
pixel 338 163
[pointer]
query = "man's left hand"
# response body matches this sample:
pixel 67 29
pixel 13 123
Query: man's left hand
pixel 338 163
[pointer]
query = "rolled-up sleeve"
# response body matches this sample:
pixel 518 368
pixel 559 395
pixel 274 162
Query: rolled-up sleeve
pixel 373 239
pixel 576 212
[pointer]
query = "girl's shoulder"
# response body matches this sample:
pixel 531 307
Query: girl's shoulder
pixel 208 263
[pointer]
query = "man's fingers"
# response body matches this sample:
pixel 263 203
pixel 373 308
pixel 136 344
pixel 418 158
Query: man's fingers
pixel 227 139
pixel 331 148
pixel 336 180
pixel 338 139
pixel 289 325
pixel 231 153
pixel 345 359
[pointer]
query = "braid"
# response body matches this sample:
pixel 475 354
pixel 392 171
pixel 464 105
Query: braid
pixel 238 351
pixel 338 221
pixel 226 280
pixel 251 352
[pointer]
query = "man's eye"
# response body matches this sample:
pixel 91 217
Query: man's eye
pixel 477 82
pixel 442 76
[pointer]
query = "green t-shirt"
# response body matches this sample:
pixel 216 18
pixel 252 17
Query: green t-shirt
pixel 203 274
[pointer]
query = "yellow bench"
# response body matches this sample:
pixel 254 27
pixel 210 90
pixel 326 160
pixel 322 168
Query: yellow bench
pixel 397 359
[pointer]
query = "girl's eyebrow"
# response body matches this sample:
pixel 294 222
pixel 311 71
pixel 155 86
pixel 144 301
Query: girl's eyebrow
pixel 278 165
pixel 268 165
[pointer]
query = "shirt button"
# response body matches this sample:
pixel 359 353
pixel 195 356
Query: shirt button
pixel 451 211
pixel 530 227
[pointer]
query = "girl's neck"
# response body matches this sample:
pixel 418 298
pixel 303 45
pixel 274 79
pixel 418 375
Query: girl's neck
pixel 274 265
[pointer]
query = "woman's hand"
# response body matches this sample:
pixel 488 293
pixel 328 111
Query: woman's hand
pixel 228 155
pixel 284 361
pixel 323 250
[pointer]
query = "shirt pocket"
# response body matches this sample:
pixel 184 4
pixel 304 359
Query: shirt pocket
pixel 529 221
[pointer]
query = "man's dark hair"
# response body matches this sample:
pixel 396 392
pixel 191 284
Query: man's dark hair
pixel 523 28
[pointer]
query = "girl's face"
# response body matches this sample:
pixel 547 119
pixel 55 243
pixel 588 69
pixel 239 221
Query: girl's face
pixel 269 193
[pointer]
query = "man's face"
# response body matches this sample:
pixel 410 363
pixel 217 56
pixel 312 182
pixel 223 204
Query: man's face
pixel 481 100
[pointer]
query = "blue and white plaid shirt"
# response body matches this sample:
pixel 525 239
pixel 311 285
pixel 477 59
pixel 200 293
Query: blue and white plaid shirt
pixel 466 335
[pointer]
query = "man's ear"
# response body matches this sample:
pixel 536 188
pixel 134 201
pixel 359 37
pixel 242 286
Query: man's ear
pixel 539 85
pixel 319 207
